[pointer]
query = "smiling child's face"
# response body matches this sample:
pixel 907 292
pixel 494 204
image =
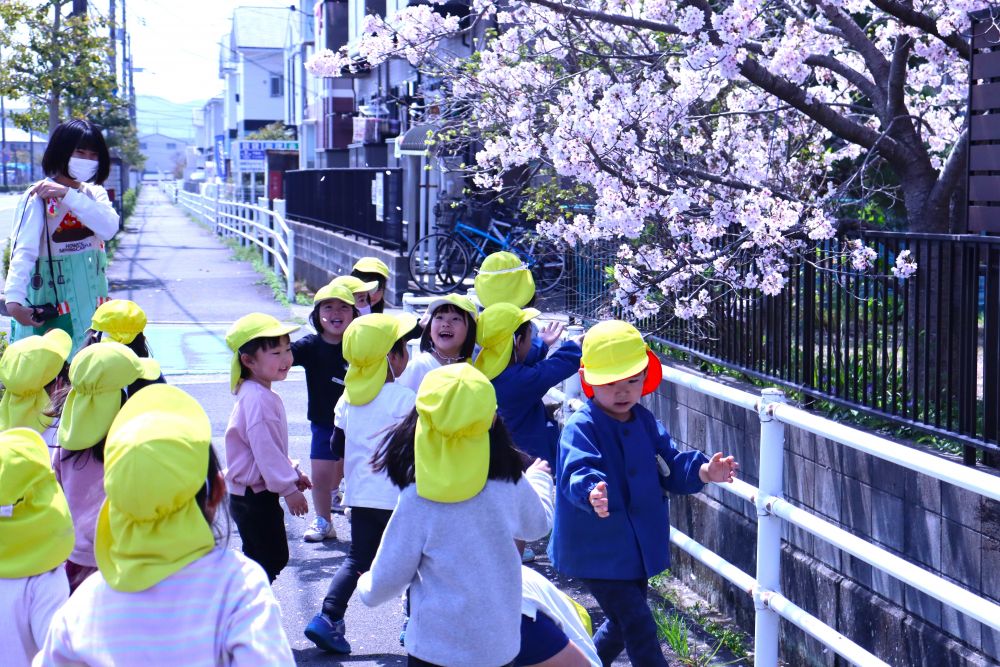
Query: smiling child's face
pixel 448 331
pixel 618 398
pixel 335 315
pixel 270 365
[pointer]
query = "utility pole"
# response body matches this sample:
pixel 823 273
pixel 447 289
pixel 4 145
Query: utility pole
pixel 79 8
pixel 3 139
pixel 113 53
pixel 128 76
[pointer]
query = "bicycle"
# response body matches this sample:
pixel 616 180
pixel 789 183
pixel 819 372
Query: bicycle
pixel 442 261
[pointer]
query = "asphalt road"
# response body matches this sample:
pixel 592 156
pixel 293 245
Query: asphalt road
pixel 191 290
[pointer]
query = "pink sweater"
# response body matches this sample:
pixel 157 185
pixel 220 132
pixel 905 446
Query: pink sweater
pixel 82 480
pixel 257 443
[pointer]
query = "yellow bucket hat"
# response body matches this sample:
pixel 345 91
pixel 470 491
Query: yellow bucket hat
pixel 504 278
pixel 367 342
pixel 355 284
pixel 371 265
pixel 495 335
pixel 244 330
pixel 155 462
pixel 456 405
pixel 331 291
pixel 98 375
pixel 26 367
pixel 461 302
pixel 614 350
pixel 122 320
pixel 36 530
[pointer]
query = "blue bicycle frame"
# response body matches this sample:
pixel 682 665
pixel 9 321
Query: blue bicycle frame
pixel 463 230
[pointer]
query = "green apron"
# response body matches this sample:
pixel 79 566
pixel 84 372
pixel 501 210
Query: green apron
pixel 76 283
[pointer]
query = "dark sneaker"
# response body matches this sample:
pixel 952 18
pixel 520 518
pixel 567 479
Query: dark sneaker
pixel 327 634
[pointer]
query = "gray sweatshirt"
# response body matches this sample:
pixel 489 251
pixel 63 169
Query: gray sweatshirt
pixel 463 569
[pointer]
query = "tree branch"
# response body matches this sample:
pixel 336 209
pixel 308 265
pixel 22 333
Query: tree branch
pixel 856 37
pixel 865 85
pixel 911 17
pixel 954 167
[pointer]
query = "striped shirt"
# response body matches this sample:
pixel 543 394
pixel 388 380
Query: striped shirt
pixel 219 610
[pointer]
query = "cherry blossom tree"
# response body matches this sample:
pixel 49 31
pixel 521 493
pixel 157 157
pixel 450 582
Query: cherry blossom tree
pixel 717 141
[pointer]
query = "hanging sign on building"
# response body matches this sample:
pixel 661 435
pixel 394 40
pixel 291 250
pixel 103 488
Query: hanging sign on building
pixel 251 156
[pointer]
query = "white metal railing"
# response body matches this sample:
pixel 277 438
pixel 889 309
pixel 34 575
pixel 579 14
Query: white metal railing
pixel 250 224
pixel 772 509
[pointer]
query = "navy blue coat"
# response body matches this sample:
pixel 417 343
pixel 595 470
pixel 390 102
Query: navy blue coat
pixel 520 388
pixel 633 542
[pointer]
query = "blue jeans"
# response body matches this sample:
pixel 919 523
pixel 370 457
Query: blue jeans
pixel 629 625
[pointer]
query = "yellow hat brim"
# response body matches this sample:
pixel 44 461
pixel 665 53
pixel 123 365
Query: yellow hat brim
pixel 371 265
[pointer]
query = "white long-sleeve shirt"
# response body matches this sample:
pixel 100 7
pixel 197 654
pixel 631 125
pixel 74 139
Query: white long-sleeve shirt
pixel 215 612
pixel 26 608
pixel 91 208
pixel 463 569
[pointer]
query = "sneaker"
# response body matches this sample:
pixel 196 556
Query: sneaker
pixel 327 634
pixel 320 529
pixel 336 504
pixel 528 556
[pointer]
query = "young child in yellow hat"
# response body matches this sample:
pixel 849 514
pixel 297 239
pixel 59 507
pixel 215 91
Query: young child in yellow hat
pixel 98 376
pixel 31 370
pixel 166 594
pixel 124 322
pixel 448 337
pixel 375 347
pixel 260 471
pixel 360 288
pixel 611 518
pixel 321 355
pixel 464 500
pixel 36 536
pixel 373 269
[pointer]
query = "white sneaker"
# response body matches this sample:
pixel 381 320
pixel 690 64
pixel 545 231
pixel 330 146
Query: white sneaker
pixel 320 529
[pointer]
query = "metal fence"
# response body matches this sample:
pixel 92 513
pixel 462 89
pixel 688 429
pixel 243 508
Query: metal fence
pixel 364 202
pixel 248 224
pixel 921 352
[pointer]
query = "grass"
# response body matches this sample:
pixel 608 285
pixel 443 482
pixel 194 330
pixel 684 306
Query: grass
pixel 673 629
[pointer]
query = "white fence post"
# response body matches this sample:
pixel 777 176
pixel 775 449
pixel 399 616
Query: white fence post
pixel 772 458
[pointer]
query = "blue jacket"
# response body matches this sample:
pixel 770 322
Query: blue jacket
pixel 520 388
pixel 633 542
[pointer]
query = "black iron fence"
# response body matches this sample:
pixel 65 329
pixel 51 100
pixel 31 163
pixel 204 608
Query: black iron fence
pixel 922 352
pixel 363 202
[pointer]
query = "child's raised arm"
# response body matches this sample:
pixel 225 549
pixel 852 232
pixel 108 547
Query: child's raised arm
pixel 535 508
pixel 396 561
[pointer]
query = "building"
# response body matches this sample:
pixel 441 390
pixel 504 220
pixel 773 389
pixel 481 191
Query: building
pixel 22 155
pixel 165 155
pixel 210 136
pixel 252 64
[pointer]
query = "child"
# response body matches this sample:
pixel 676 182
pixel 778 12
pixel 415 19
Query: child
pixel 124 322
pixel 98 375
pixel 28 368
pixel 36 536
pixel 449 336
pixel 166 594
pixel 372 269
pixel 611 520
pixel 464 500
pixel 504 278
pixel 361 290
pixel 375 347
pixel 504 333
pixel 321 356
pixel 555 629
pixel 257 441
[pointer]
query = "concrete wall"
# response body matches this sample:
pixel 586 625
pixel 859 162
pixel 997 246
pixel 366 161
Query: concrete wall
pixel 321 255
pixel 944 529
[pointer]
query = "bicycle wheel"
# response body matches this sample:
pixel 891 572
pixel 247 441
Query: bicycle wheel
pixel 439 264
pixel 545 260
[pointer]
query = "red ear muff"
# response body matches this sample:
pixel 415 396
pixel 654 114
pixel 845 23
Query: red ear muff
pixel 588 391
pixel 654 373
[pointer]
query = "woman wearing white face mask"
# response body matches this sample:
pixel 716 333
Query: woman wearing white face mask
pixel 57 255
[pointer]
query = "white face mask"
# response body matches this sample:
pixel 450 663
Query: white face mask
pixel 365 310
pixel 81 169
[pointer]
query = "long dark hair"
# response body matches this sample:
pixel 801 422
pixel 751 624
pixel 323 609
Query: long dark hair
pixel 139 345
pixel 395 454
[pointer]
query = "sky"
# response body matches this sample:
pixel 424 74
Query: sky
pixel 176 42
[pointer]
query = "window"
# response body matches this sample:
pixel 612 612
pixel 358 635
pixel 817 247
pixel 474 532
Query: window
pixel 277 85
pixel 171 145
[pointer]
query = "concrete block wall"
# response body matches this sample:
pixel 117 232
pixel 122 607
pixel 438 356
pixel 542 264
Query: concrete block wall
pixel 322 254
pixel 942 528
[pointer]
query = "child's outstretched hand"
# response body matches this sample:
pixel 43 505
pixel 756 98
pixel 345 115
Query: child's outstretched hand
pixel 719 469
pixel 599 499
pixel 297 505
pixel 303 483
pixel 542 465
pixel 551 332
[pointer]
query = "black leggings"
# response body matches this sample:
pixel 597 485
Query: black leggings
pixel 367 526
pixel 412 661
pixel 261 525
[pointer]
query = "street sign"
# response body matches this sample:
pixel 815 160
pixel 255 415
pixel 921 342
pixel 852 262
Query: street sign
pixel 251 156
